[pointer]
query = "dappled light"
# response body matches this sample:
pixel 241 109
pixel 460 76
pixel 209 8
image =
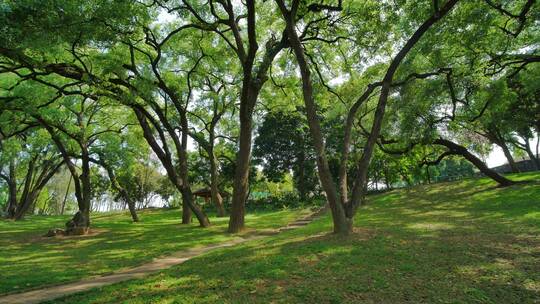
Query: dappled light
pixel 448 251
pixel 269 151
pixel 29 259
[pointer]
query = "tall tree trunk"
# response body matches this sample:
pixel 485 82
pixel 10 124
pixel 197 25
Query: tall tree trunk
pixel 186 211
pixel 343 210
pixel 342 224
pixel 478 163
pixel 253 79
pixel 243 157
pixel 188 203
pixel 80 222
pixel 363 164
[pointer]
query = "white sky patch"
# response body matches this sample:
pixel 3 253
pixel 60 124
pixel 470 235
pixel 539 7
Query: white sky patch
pixel 497 158
pixel 339 80
pixel 165 17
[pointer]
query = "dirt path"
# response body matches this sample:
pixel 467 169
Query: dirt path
pixel 161 263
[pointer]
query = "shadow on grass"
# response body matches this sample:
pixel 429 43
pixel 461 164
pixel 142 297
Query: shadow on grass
pixel 372 266
pixel 465 242
pixel 28 261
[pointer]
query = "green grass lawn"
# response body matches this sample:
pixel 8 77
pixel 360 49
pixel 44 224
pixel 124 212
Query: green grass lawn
pixel 28 260
pixel 462 242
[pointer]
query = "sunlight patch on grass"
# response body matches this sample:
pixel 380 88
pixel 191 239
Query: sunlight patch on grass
pixel 431 226
pixel 532 215
pixel 461 242
pixel 27 260
pixel 532 285
pixel 447 212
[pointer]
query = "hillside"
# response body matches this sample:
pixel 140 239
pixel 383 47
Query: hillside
pixel 460 242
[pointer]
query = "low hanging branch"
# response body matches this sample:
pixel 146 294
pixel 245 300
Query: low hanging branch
pixel 455 149
pixel 437 161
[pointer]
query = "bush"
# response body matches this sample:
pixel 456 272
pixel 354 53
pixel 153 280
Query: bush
pixel 288 200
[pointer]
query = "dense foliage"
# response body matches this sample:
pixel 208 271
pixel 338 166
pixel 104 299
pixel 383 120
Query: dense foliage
pixel 141 103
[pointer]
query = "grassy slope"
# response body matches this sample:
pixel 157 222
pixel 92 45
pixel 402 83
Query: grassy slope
pixel 28 260
pixel 464 242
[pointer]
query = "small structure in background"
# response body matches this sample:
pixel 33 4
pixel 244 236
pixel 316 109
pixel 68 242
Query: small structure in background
pixel 206 193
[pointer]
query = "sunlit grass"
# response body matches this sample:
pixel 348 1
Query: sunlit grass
pixel 463 242
pixel 27 260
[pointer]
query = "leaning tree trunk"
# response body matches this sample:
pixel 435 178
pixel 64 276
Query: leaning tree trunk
pixel 508 156
pixel 80 223
pixel 358 192
pixel 35 181
pixel 477 162
pixel 178 177
pixel 534 158
pixel 25 203
pixel 12 189
pixel 121 190
pixel 188 203
pixel 65 196
pixel 131 205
